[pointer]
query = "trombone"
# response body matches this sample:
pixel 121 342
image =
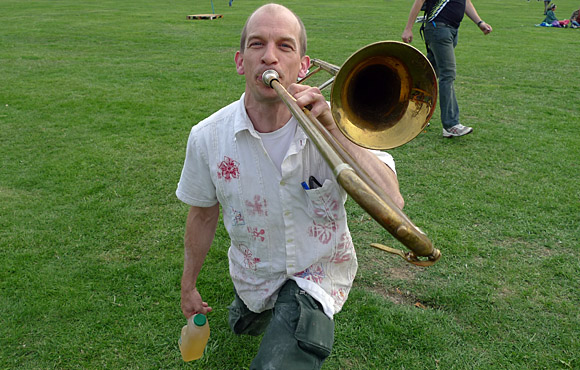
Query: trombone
pixel 382 97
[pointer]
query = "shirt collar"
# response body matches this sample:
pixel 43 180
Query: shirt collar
pixel 243 123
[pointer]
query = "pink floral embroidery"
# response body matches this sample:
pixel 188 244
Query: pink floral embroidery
pixel 258 207
pixel 228 169
pixel 323 232
pixel 343 252
pixel 249 259
pixel 327 209
pixel 257 235
pixel 314 273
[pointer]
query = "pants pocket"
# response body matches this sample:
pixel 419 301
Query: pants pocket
pixel 314 331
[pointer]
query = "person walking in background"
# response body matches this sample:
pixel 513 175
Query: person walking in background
pixel 291 257
pixel 440 29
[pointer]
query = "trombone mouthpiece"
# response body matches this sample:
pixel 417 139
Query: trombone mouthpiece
pixel 269 76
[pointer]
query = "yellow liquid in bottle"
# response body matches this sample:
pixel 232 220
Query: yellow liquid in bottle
pixel 194 337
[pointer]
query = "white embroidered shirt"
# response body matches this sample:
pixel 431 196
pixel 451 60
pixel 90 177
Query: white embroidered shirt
pixel 278 230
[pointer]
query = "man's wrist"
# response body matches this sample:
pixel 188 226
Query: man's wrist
pixel 479 23
pixel 188 285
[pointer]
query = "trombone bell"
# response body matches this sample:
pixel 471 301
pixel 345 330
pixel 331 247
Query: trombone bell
pixel 384 95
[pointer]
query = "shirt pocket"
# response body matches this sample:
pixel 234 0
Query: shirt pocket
pixel 326 202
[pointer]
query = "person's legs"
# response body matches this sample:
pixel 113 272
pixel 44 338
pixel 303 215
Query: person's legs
pixel 441 41
pixel 300 335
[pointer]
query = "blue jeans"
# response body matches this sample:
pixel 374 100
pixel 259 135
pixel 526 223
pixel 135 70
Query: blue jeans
pixel 297 333
pixel 441 41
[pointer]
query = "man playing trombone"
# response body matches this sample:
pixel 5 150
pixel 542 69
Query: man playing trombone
pixel 291 257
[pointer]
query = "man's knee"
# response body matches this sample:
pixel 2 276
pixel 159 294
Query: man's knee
pixel 300 335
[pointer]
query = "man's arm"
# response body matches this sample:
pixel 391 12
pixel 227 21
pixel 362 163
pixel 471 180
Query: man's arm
pixel 472 14
pixel 374 167
pixel 407 35
pixel 199 233
pixel 382 174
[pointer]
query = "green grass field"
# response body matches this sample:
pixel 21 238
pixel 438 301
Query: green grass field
pixel 96 102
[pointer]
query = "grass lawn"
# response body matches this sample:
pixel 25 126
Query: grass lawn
pixel 96 102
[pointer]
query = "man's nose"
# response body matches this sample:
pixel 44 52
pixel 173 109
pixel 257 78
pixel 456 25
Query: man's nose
pixel 270 56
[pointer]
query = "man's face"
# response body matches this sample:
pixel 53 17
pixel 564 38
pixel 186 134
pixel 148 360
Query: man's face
pixel 272 42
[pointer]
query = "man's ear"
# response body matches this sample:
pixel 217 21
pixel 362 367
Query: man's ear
pixel 304 65
pixel 239 58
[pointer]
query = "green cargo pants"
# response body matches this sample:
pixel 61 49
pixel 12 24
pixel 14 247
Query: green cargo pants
pixel 297 333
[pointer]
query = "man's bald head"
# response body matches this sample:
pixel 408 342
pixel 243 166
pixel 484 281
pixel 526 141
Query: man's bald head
pixel 275 9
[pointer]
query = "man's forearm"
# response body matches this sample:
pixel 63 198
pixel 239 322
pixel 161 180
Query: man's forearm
pixel 199 233
pixel 382 174
pixel 471 12
pixel 415 9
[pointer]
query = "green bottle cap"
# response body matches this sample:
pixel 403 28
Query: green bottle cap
pixel 199 319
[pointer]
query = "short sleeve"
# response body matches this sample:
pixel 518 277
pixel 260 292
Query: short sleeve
pixel 386 158
pixel 196 186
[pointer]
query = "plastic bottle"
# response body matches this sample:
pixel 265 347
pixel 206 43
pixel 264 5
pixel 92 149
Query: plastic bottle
pixel 194 337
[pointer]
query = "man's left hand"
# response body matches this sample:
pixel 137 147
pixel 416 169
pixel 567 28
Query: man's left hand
pixel 312 97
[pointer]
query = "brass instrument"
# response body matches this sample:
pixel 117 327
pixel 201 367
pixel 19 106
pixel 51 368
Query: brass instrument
pixel 382 97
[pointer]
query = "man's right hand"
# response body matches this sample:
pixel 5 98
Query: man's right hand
pixel 191 303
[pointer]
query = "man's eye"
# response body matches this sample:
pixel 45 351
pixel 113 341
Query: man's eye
pixel 286 47
pixel 255 44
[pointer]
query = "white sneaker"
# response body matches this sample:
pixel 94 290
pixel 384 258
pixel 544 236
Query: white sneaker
pixel 457 130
